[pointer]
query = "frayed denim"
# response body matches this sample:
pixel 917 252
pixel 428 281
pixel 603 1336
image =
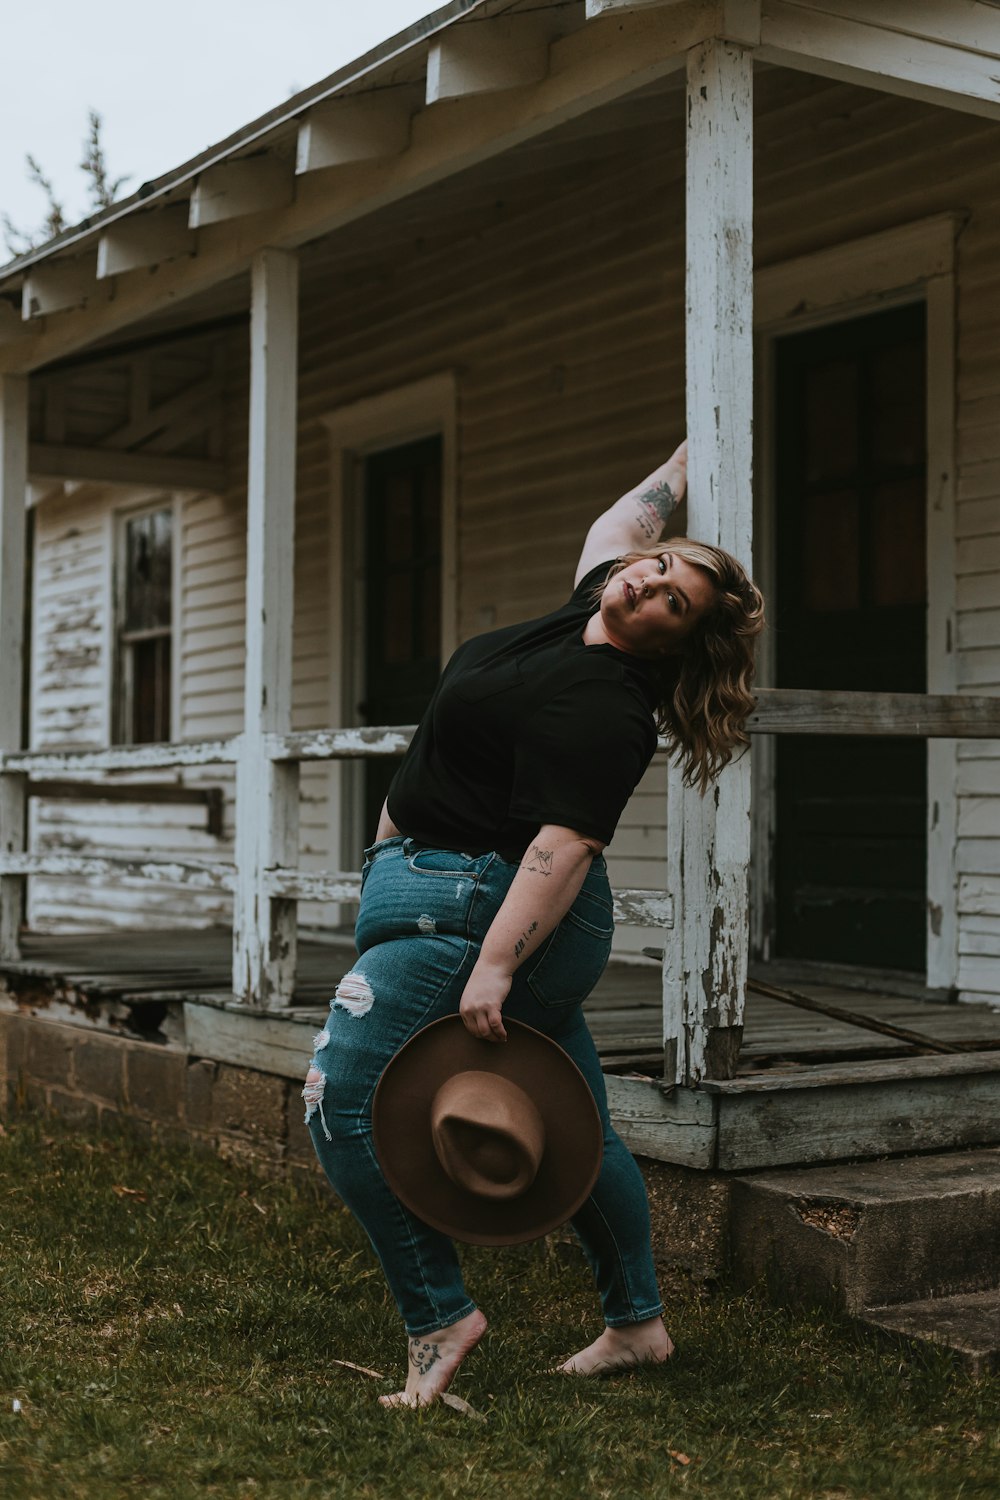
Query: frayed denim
pixel 423 916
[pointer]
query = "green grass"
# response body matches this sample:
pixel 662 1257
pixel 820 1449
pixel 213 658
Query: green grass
pixel 169 1322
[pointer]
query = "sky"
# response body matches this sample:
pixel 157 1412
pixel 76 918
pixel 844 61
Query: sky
pixel 168 80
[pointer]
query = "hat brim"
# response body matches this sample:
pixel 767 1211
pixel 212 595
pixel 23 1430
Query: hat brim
pixel 404 1146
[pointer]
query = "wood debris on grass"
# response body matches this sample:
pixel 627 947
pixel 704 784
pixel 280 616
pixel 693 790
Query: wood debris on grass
pixel 457 1404
pixel 121 1191
pixel 348 1364
pixel 678 1457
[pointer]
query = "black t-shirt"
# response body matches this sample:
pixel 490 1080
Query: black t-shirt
pixel 528 725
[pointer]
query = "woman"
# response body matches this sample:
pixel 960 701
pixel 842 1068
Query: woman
pixel 532 744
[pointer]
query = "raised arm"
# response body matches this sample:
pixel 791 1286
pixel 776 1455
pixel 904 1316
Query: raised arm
pixel 637 520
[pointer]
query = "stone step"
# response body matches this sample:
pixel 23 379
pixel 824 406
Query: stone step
pixel 873 1233
pixel 967 1324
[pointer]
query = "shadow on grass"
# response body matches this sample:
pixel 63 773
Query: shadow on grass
pixel 170 1326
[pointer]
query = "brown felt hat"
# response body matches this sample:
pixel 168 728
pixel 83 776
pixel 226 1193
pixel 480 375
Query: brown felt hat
pixel 493 1143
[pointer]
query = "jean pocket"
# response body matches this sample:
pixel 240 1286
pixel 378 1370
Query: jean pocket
pixel 575 956
pixel 447 862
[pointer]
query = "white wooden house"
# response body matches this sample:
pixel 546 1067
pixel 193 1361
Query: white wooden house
pixel 422 322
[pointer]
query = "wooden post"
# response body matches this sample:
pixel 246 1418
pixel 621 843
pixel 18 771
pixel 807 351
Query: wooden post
pixel 704 972
pixel 13 786
pixel 267 805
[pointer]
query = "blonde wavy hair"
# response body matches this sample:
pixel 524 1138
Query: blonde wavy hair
pixel 703 692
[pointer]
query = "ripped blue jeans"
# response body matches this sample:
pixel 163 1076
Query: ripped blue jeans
pixel 423 916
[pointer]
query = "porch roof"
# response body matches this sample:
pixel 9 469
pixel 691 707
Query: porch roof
pixel 467 83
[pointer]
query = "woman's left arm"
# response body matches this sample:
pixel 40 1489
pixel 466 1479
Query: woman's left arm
pixel 637 520
pixel 547 883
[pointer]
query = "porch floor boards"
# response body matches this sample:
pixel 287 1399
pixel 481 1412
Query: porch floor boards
pixel 623 1012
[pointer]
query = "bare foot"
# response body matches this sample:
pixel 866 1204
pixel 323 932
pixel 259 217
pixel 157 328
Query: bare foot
pixel 618 1349
pixel 433 1360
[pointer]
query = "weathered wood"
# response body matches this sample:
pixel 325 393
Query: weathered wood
pixel 509 52
pixel 267 792
pixel 57 286
pixel 852 1017
pixel 884 49
pixel 235 189
pixel 212 798
pixel 196 876
pixel 353 130
pixel 677 1125
pixel 863 1109
pixel 13 492
pixel 272 1043
pixel 709 845
pixel 631 907
pixel 144 240
pixel 341 744
pixel 112 466
pixel 913 715
pixel 121 757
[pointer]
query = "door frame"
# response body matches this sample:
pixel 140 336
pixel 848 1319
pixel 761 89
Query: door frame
pixel 423 408
pixel 915 262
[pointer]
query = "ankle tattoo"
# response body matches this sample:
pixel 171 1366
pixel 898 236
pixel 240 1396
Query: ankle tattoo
pixel 423 1356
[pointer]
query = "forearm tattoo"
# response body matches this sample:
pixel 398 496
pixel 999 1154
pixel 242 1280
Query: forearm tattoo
pixel 653 507
pixel 538 861
pixel 522 941
pixel 423 1356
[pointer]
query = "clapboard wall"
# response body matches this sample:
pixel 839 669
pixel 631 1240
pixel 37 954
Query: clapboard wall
pixel 551 284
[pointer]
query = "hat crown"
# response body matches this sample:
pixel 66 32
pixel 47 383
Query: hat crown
pixel 488 1134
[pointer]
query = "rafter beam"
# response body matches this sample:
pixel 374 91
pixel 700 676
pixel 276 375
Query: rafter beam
pixel 57 287
pixel 352 130
pixel 108 466
pixel 486 57
pixel 146 240
pixel 239 188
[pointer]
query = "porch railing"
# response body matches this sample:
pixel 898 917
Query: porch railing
pixel 779 711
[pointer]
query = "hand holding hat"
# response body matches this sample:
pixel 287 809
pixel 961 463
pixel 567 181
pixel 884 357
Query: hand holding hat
pixel 491 1145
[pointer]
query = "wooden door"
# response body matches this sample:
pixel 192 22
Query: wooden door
pixel 402 541
pixel 851 813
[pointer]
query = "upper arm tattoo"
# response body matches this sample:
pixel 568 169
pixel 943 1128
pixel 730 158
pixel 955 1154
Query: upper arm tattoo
pixel 653 507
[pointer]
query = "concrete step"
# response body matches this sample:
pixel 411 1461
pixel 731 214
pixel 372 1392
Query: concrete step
pixel 871 1234
pixel 968 1324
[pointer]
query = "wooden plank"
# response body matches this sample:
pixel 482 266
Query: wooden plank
pixel 704 972
pixel 267 791
pixel 279 1044
pixel 145 240
pixel 341 744
pixel 56 287
pixel 508 52
pixel 212 798
pixel 13 492
pixel 121 757
pixel 198 876
pixel 352 130
pixel 916 715
pixel 676 1125
pixel 882 56
pixel 894 1116
pixel 892 1070
pixel 236 189
pixel 111 466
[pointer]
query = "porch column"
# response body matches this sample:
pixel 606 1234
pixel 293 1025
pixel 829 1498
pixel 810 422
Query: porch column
pixel 13 786
pixel 704 971
pixel 267 794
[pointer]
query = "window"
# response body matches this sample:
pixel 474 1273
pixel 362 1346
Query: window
pixel 144 628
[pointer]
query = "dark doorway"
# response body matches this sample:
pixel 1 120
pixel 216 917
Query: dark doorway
pixel 402 539
pixel 851 813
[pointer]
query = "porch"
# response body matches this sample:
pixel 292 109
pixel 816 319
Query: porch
pixel 809 1087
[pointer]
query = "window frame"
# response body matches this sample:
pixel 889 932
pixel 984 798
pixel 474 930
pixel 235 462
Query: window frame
pixel 119 698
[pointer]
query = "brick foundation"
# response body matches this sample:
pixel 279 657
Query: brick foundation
pixel 94 1078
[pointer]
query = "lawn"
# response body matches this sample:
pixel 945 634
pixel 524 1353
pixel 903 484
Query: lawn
pixel 170 1326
